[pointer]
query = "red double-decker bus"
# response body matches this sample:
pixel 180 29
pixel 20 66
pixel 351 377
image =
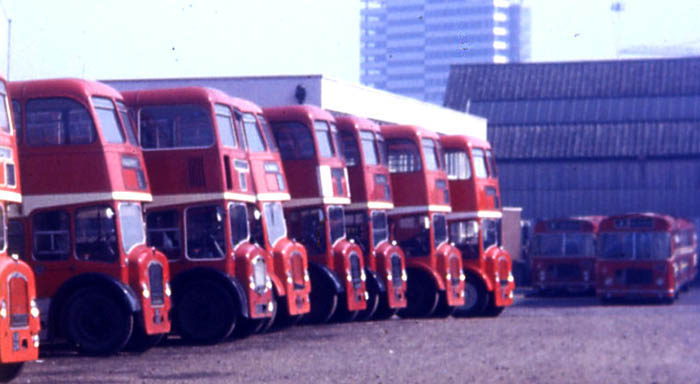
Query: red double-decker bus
pixel 306 137
pixel 366 218
pixel 475 225
pixel 645 255
pixel 202 187
pixel 289 264
pixel 80 225
pixel 19 314
pixel 562 254
pixel 418 221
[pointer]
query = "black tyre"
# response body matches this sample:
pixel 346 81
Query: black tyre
pixel 323 297
pixel 384 311
pixel 283 319
pixel 8 371
pixel 205 313
pixel 342 314
pixel 270 321
pixel 491 309
pixel 443 309
pixel 247 327
pixel 96 322
pixel 421 294
pixel 373 299
pixel 475 297
pixel 140 341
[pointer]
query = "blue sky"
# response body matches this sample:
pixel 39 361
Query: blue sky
pixel 175 38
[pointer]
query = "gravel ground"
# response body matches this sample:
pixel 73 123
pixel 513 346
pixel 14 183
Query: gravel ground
pixel 538 340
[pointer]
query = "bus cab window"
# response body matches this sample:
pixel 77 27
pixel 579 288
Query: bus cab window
pixel 205 232
pixel 96 234
pixel 164 232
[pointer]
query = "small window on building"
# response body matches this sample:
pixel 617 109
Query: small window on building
pixel 164 232
pixel 51 236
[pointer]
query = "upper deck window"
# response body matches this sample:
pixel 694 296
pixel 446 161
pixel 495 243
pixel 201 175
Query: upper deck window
pixel 491 161
pixel 404 156
pixel 58 121
pixel 127 123
pixel 430 152
pixel 294 140
pixel 4 118
pixel 324 138
pixel 175 126
pixel 457 165
pixel 268 133
pixel 479 163
pixel 254 138
pixel 369 149
pixel 96 234
pixel 381 148
pixel 17 115
pixel 109 122
pixel 224 122
pixel 351 152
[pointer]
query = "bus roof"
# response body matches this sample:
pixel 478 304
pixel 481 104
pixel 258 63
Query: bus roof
pixel 462 142
pixel 297 112
pixel 75 88
pixel 639 221
pixel 181 95
pixel 350 122
pixel 393 131
pixel 569 224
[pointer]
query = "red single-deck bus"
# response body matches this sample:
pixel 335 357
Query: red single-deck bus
pixel 201 183
pixel 366 218
pixel 645 255
pixel 289 264
pixel 83 184
pixel 19 315
pixel 306 137
pixel 563 254
pixel 419 223
pixel 475 225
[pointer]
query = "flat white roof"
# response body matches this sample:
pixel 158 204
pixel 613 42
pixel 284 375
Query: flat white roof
pixel 331 94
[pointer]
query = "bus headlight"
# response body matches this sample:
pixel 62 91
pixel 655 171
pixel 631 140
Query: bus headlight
pixel 34 311
pixel 3 309
pixel 168 292
pixel 404 275
pixel 35 339
pixel 145 292
pixel 510 277
pixel 348 276
pixel 363 277
pixel 306 276
pixel 462 277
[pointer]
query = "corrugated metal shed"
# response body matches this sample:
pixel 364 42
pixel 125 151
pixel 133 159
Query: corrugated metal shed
pixel 590 137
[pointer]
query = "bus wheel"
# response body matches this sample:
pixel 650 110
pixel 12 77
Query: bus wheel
pixel 421 294
pixel 96 322
pixel 323 297
pixel 140 341
pixel 269 321
pixel 443 309
pixel 384 311
pixel 475 299
pixel 372 303
pixel 205 313
pixel 282 318
pixel 9 371
pixel 342 314
pixel 491 309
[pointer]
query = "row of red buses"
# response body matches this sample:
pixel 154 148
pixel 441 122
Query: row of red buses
pixel 80 225
pixel 366 217
pixel 645 255
pixel 194 142
pixel 475 225
pixel 563 254
pixel 19 314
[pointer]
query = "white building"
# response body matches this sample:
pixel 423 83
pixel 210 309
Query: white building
pixel 337 96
